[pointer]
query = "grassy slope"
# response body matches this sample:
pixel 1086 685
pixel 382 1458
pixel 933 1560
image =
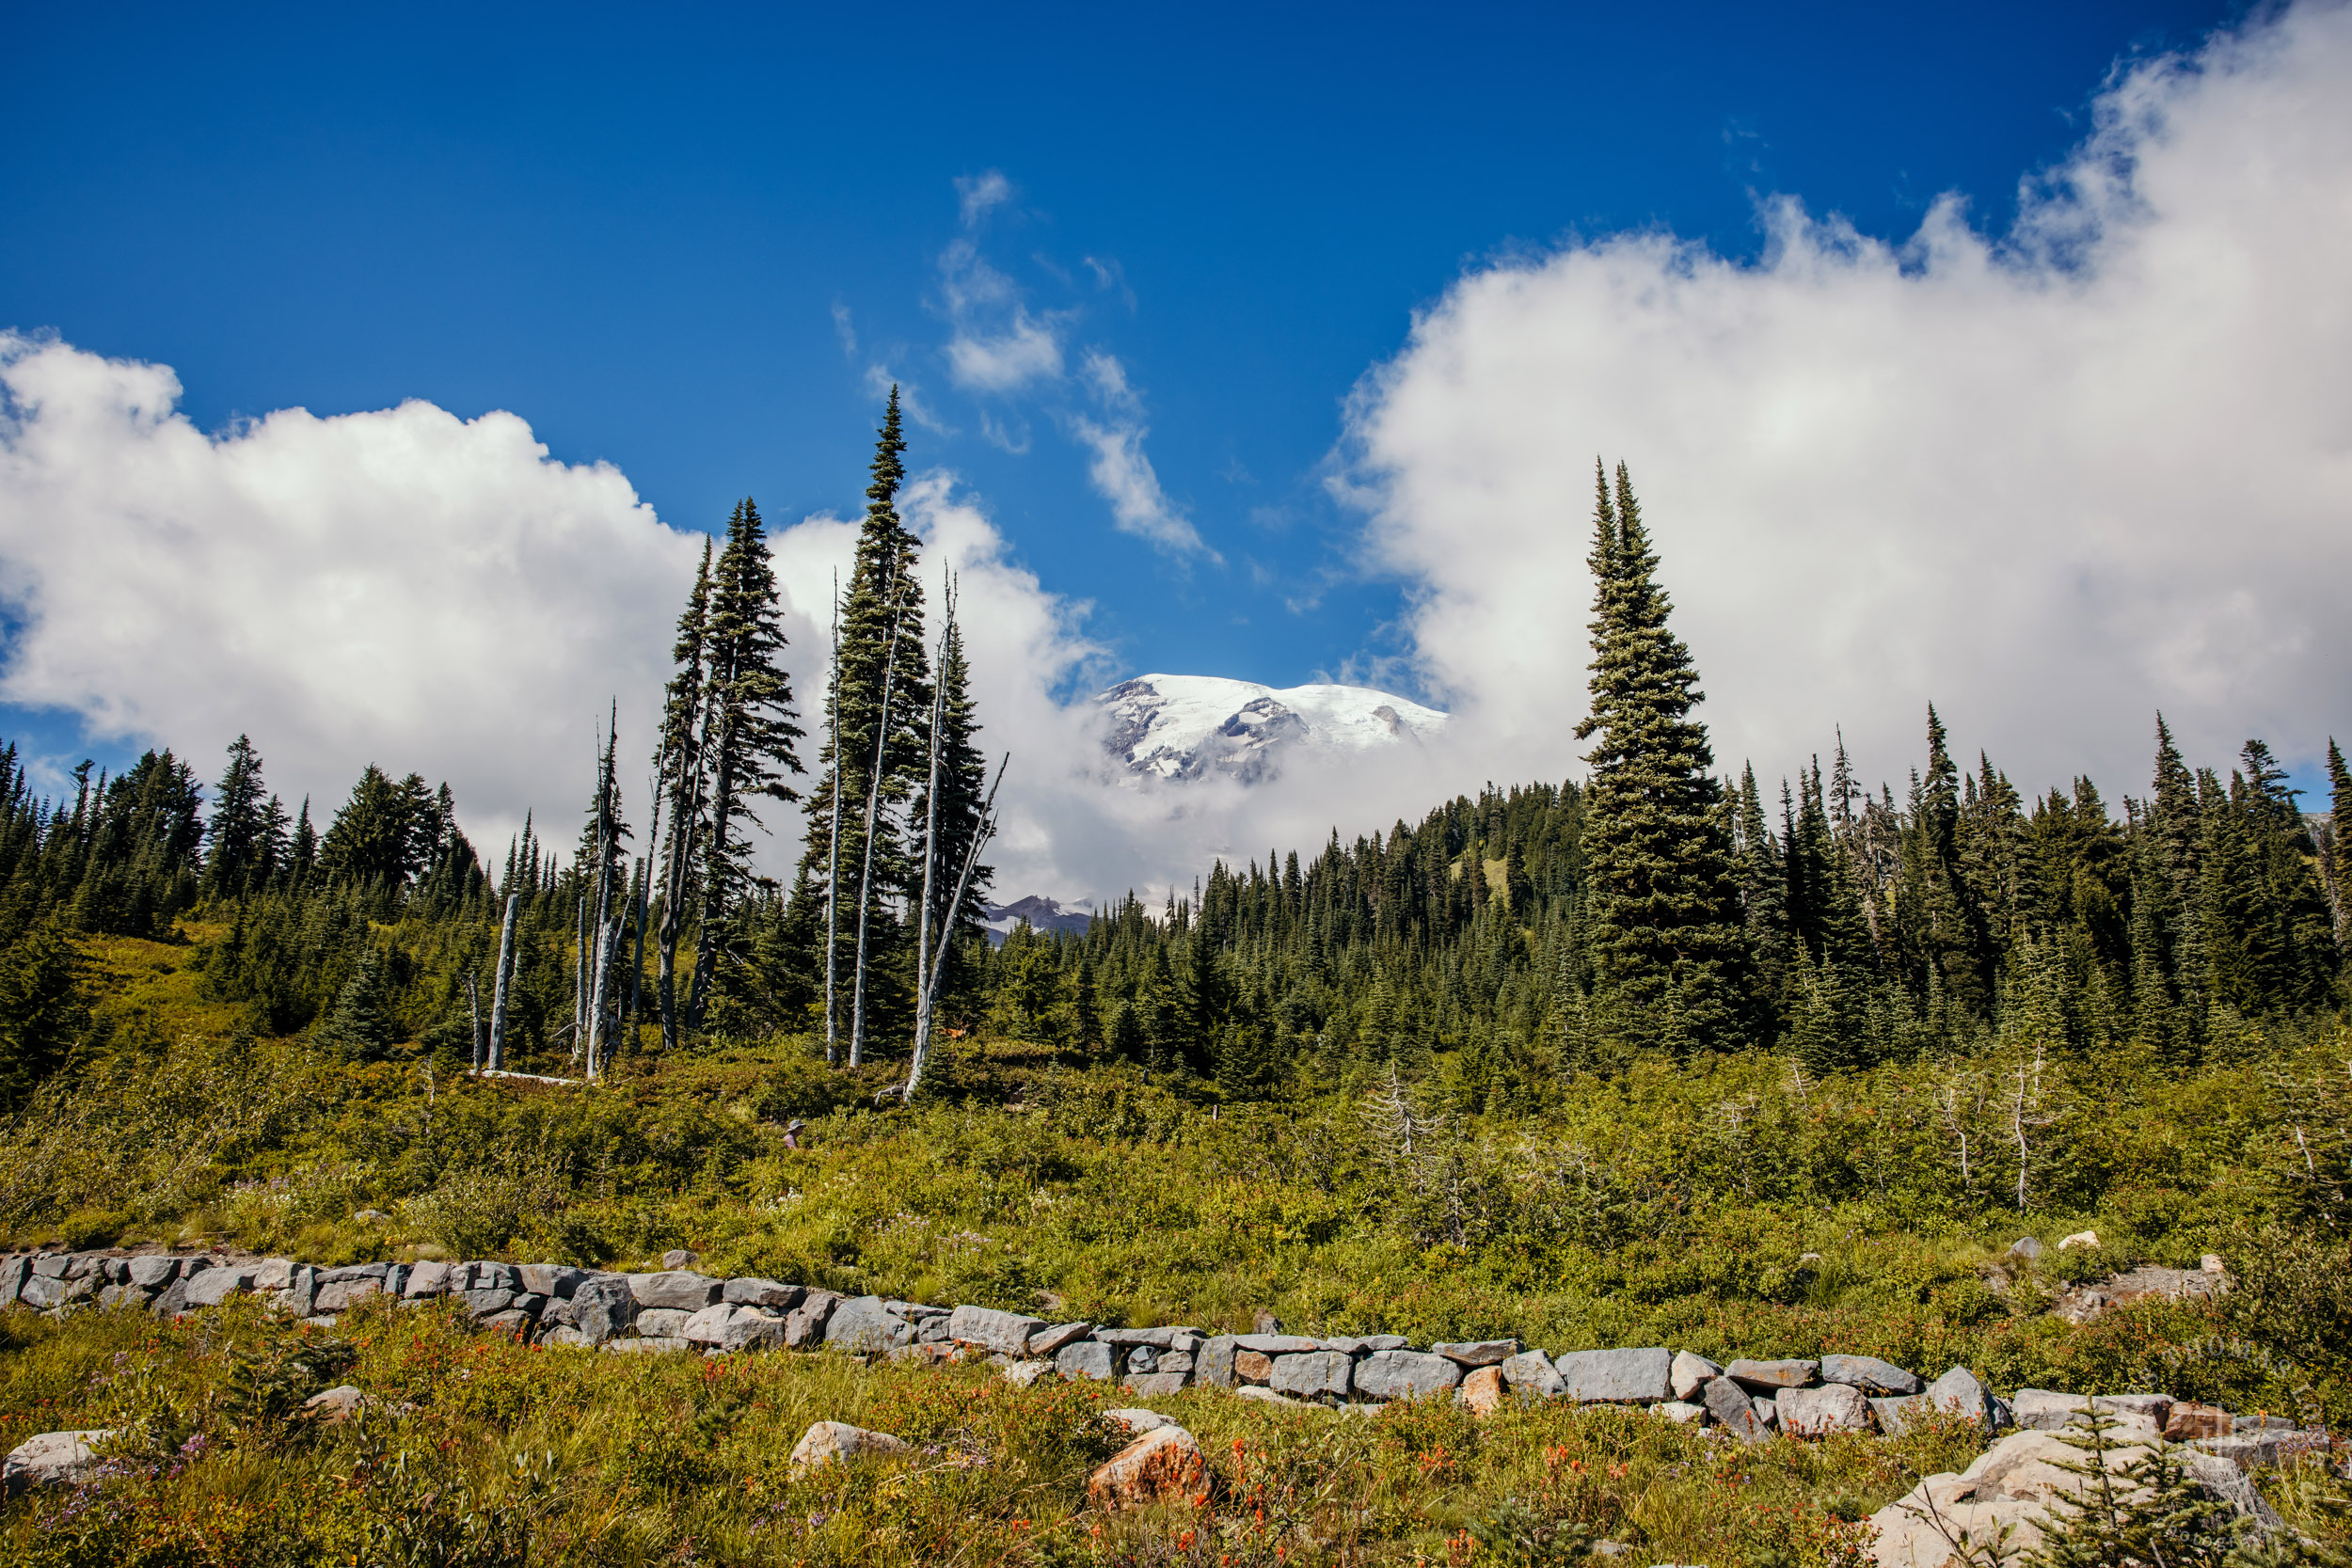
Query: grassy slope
pixel 1665 1205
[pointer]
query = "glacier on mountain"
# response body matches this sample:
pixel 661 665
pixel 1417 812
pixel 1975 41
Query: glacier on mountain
pixel 1181 727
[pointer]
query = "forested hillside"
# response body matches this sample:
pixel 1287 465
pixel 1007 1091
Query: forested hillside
pixel 1555 1055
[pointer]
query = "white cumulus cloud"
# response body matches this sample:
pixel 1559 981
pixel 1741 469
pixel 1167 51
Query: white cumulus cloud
pixel 400 586
pixel 2052 480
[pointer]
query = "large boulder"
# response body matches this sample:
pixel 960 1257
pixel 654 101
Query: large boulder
pixel 1006 1333
pixel 1481 1392
pixel 601 1310
pixel 1734 1411
pixel 1959 1392
pixel 752 1328
pixel 1214 1363
pixel 51 1459
pixel 1875 1378
pixel 1155 1384
pixel 1269 1344
pixel 761 1292
pixel 214 1286
pixel 663 1322
pixel 1085 1358
pixel 14 1272
pixel 1478 1353
pixel 865 1324
pixel 1818 1412
pixel 679 1289
pixel 43 1291
pixel 154 1271
pixel 1772 1375
pixel 1690 1373
pixel 839 1443
pixel 1405 1375
pixel 1316 1374
pixel 1618 1376
pixel 708 1326
pixel 1045 1341
pixel 1165 1466
pixel 553 1279
pixel 2009 1487
pixel 1531 1376
pixel 805 1325
pixel 427 1279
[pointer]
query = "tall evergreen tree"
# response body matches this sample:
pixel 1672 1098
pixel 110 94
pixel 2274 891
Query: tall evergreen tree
pixel 679 776
pixel 1669 954
pixel 240 829
pixel 748 729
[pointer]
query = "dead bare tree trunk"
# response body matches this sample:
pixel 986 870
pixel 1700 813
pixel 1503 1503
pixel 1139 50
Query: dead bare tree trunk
pixel 498 988
pixel 929 998
pixel 473 1006
pixel 931 852
pixel 833 847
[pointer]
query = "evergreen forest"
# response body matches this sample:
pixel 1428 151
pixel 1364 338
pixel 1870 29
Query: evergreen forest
pixel 1663 1053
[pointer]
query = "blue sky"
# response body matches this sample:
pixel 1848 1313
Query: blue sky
pixel 1906 436
pixel 635 232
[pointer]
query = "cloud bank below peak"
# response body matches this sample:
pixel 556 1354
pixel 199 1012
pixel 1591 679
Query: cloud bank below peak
pixel 2054 479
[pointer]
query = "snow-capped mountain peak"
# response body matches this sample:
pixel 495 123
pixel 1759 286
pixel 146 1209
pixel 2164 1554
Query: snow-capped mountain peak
pixel 1188 726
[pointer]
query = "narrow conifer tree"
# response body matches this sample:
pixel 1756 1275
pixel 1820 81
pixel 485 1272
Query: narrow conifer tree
pixel 1670 957
pixel 679 775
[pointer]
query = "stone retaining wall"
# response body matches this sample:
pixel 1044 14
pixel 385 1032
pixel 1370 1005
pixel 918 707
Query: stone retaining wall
pixel 679 1309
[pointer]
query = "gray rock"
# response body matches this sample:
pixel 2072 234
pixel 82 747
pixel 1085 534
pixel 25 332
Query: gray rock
pixel 865 1324
pixel 1140 1421
pixel 1387 1341
pixel 663 1322
pixel 1155 1384
pixel 51 1459
pixel 1870 1374
pixel 483 1277
pixel 931 1331
pixel 1478 1353
pixel 1085 1359
pixel 350 1273
pixel 214 1286
pixel 679 1258
pixel 2026 1248
pixel 1818 1412
pixel 707 1325
pixel 513 1321
pixel 916 1311
pixel 1531 1374
pixel 1895 1417
pixel 553 1279
pixel 274 1274
pixel 1315 1374
pixel 1690 1374
pixel 1141 1359
pixel 805 1325
pixel 1680 1412
pixel 652 1346
pixel 839 1443
pixel 14 1271
pixel 761 1292
pixel 601 1310
pixel 752 1328
pixel 1045 1341
pixel 1618 1376
pixel 1755 1375
pixel 676 1289
pixel 1027 1375
pixel 1734 1411
pixel 1213 1362
pixel 155 1272
pixel 43 1291
pixel 168 1303
pixel 52 1265
pixel 480 1304
pixel 1405 1375
pixel 1276 1344
pixel 339 1403
pixel 115 1271
pixel 114 1297
pixel 531 1304
pixel 426 1280
pixel 1959 1392
pixel 301 1292
pixel 1177 1361
pixel 2250 1450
